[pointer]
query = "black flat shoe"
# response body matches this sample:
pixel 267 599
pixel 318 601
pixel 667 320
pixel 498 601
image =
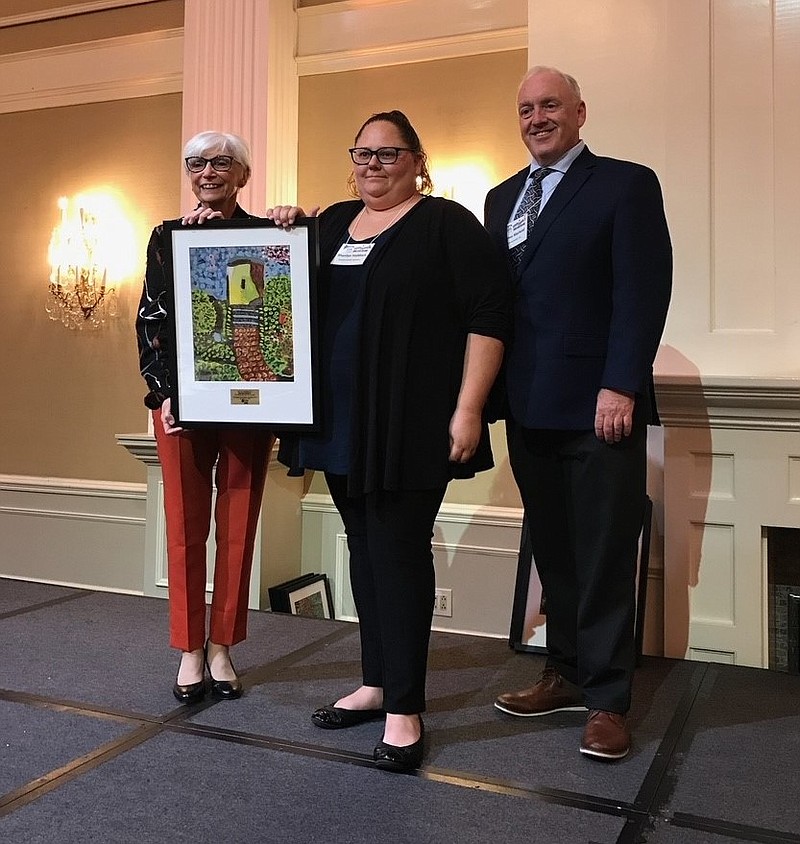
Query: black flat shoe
pixel 223 689
pixel 193 693
pixel 401 760
pixel 335 718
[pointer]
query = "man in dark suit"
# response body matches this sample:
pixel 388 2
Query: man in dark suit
pixel 588 242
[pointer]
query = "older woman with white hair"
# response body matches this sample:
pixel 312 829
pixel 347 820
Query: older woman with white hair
pixel 217 166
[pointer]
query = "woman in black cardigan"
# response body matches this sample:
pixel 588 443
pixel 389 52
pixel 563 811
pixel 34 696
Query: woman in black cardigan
pixel 414 304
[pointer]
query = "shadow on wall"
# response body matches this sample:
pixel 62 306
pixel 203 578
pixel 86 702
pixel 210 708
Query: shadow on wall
pixel 688 460
pixel 482 561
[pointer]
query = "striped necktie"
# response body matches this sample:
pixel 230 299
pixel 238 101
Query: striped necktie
pixel 530 204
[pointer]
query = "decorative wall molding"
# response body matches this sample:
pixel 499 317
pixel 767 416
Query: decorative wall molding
pixel 446 47
pixel 333 38
pixel 723 487
pixel 142 65
pixel 759 404
pixel 143 447
pixel 730 457
pixel 476 549
pixel 73 532
pixel 71 486
pixel 356 35
pixel 475 554
pixel 68 11
pixel 463 514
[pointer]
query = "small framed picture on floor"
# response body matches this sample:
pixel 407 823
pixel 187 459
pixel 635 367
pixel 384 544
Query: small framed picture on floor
pixel 308 595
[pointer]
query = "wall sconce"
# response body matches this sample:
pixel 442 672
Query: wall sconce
pixel 466 182
pixel 79 293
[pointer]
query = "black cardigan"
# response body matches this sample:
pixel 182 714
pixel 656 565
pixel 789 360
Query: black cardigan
pixel 436 280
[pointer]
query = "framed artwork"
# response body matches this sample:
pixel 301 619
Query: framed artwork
pixel 528 631
pixel 308 595
pixel 243 314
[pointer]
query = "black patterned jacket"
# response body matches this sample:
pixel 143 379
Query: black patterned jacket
pixel 152 321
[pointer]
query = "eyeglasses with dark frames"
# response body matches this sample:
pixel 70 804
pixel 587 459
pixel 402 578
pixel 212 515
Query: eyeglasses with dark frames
pixel 220 163
pixel 386 155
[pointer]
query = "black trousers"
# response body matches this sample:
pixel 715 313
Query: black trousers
pixel 392 577
pixel 584 500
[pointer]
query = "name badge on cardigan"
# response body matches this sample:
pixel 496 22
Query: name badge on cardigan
pixel 352 254
pixel 517 231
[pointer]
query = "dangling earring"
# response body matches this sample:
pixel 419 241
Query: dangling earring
pixel 418 183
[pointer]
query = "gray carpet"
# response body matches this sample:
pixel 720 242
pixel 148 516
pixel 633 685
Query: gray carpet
pixel 94 748
pixel 271 796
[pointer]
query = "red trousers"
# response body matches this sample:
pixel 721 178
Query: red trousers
pixel 187 465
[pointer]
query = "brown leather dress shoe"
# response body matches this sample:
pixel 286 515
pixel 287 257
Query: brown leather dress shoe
pixel 551 693
pixel 606 735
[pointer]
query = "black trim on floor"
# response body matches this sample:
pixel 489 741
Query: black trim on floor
pixel 42 785
pixel 653 793
pixel 43 605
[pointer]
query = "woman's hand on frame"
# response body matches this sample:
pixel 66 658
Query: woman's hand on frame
pixel 285 215
pixel 197 216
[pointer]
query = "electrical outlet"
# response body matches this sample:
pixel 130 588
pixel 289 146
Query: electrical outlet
pixel 443 602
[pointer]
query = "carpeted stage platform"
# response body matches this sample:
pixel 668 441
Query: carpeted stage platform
pixel 94 749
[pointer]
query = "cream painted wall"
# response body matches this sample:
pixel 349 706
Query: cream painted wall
pixel 706 93
pixel 71 392
pixel 477 127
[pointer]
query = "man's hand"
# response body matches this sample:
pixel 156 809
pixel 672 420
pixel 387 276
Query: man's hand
pixel 613 418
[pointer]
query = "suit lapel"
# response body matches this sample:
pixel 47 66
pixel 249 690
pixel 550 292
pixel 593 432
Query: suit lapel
pixel 507 199
pixel 574 179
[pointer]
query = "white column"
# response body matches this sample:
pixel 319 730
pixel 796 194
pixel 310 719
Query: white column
pixel 239 75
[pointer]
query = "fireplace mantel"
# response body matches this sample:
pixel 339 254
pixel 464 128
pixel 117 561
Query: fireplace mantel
pixel 768 404
pixel 731 470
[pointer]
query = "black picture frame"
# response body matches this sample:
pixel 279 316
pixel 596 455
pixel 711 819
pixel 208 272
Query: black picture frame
pixel 243 323
pixel 308 595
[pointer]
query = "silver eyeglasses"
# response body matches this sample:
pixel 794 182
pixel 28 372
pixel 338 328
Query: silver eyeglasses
pixel 220 163
pixel 386 155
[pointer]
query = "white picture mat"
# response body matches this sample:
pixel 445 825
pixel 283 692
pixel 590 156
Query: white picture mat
pixel 317 587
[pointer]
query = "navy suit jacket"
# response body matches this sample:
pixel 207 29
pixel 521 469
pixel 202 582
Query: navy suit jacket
pixel 591 295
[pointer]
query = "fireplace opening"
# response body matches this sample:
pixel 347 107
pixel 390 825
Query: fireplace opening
pixel 783 583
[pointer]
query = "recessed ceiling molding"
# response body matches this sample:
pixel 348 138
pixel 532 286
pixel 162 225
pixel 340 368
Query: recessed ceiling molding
pixel 149 64
pixel 68 11
pixel 355 34
pixel 129 66
pixel 437 48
